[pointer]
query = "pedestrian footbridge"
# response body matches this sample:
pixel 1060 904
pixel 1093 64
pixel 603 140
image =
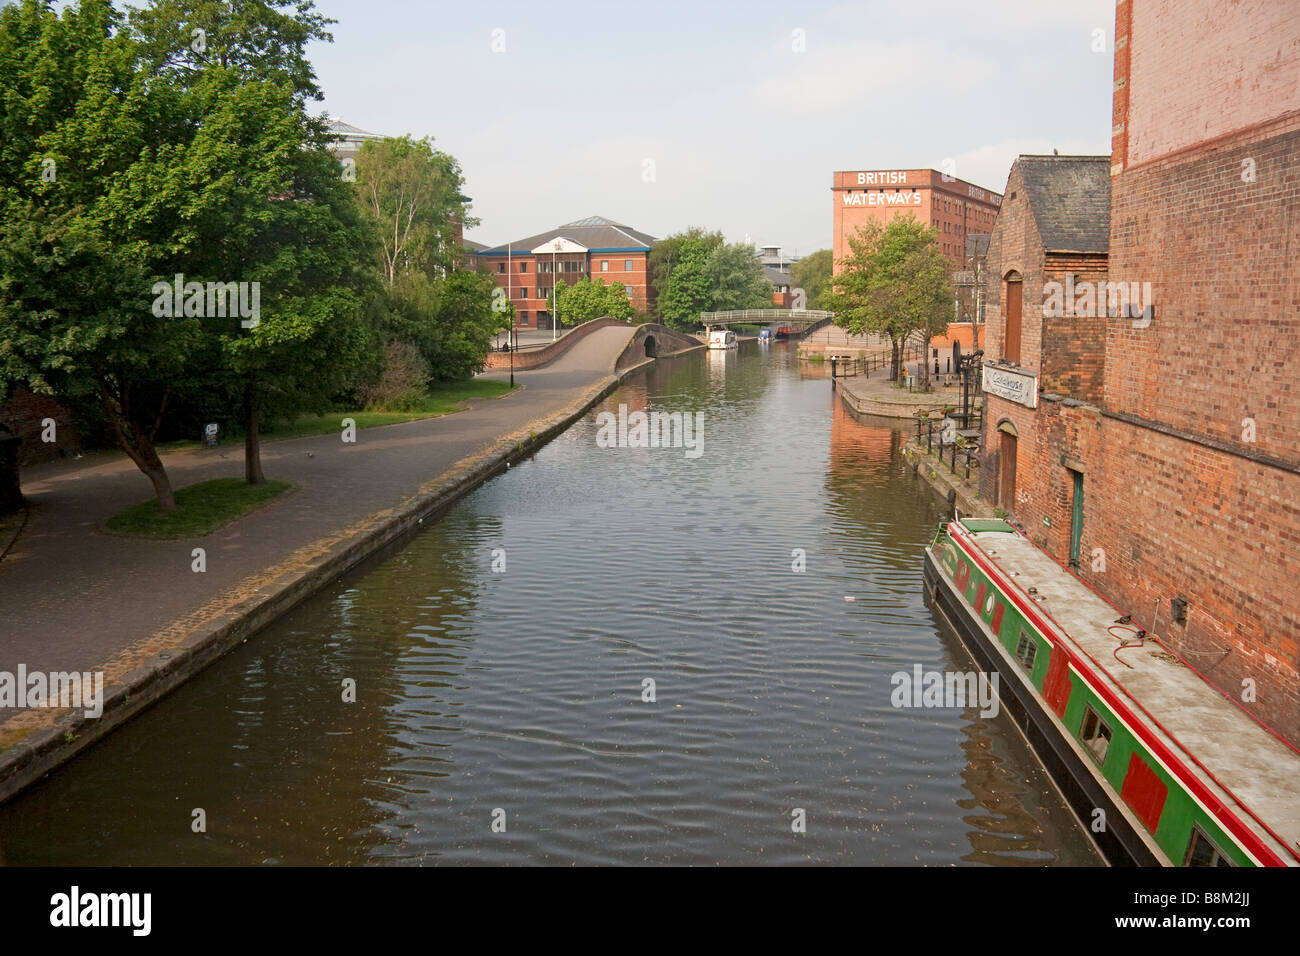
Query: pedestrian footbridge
pixel 797 322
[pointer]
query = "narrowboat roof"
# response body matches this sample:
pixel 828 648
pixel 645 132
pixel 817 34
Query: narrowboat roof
pixel 1241 762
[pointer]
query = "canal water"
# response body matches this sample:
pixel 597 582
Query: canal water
pixel 501 662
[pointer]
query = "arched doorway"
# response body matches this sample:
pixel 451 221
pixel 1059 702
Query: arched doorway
pixel 651 348
pixel 1012 303
pixel 1007 436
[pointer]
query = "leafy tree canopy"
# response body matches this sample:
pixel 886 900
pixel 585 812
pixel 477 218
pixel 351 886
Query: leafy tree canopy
pixel 893 282
pixel 812 273
pixel 587 300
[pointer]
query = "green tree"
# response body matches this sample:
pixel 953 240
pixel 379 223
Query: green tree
pixel 667 252
pixel 268 204
pixel 451 319
pixel 586 300
pixel 91 200
pixel 735 279
pixel 697 271
pixel 894 282
pixel 412 193
pixel 264 39
pixel 812 273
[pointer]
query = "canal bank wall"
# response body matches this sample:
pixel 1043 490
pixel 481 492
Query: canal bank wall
pixel 53 743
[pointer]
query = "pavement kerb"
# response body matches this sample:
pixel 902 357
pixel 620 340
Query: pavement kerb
pixel 58 736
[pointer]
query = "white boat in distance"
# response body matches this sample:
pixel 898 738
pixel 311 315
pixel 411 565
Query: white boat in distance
pixel 720 338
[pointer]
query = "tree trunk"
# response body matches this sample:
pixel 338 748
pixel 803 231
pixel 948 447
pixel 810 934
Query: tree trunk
pixel 895 358
pixel 136 439
pixel 252 440
pixel 152 466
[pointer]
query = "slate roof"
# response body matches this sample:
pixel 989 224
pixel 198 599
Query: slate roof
pixel 777 277
pixel 595 232
pixel 1070 200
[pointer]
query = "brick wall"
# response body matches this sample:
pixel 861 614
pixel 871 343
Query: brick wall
pixel 23 412
pixel 1201 69
pixel 633 279
pixel 1176 518
pixel 1205 205
pixel 1073 357
pixel 1220 255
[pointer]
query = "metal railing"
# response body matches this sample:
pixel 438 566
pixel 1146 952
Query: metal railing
pixel 762 316
pixel 866 364
pixel 970 454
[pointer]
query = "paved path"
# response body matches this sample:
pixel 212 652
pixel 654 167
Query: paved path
pixel 74 599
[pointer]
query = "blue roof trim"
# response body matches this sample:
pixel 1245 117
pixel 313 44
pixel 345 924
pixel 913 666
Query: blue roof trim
pixel 501 251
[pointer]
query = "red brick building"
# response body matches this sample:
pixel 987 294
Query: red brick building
pixel 592 248
pixel 954 207
pixel 1176 429
pixel 1046 338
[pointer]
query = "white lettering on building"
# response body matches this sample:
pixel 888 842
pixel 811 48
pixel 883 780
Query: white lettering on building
pixel 882 199
pixel 894 177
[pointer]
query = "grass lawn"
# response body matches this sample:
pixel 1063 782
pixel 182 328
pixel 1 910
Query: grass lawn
pixel 200 509
pixel 441 400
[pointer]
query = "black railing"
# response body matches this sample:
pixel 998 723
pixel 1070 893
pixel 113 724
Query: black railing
pixel 953 449
pixel 843 367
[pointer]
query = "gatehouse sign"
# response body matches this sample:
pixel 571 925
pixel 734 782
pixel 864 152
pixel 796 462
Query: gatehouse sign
pixel 1013 384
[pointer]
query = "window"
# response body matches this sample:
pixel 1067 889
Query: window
pixel 523 292
pixel 523 318
pixel 1095 734
pixel 604 265
pixel 523 267
pixel 628 265
pixel 1202 851
pixel 501 267
pixel 1026 651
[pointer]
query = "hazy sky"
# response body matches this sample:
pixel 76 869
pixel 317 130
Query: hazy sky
pixel 742 129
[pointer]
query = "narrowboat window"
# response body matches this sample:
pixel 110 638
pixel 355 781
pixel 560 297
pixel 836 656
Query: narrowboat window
pixel 1202 851
pixel 1026 651
pixel 1095 734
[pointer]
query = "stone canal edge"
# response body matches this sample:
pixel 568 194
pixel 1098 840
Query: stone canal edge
pixel 153 667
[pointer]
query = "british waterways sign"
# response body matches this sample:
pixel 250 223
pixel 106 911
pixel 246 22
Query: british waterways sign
pixel 1012 384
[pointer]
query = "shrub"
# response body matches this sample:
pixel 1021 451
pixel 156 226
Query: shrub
pixel 402 384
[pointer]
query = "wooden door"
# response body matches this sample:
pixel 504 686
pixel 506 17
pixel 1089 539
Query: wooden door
pixel 1011 348
pixel 1007 472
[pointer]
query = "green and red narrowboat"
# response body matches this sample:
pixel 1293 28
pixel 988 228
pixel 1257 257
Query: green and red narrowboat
pixel 1159 766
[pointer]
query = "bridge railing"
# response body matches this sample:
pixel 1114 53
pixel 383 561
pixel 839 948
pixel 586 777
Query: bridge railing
pixel 763 316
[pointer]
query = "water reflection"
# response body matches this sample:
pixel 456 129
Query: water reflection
pixel 522 689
